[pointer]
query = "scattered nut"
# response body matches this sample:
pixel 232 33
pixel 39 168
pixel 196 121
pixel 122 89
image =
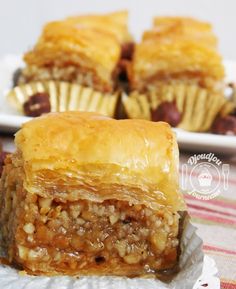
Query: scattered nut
pixel 168 112
pixel 224 125
pixel 37 104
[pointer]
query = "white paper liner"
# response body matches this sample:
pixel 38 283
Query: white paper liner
pixel 191 267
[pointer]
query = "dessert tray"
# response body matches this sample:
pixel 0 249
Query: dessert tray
pixel 11 121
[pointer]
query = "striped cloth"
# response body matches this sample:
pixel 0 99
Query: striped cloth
pixel 215 219
pixel 216 223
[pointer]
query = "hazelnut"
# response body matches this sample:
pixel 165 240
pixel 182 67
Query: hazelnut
pixel 224 125
pixel 37 104
pixel 168 112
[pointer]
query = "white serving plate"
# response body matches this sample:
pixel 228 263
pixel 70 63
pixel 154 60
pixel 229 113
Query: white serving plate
pixel 11 121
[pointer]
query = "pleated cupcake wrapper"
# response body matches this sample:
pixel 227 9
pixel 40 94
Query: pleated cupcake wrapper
pixel 228 108
pixel 65 96
pixel 136 105
pixel 198 106
pixel 190 263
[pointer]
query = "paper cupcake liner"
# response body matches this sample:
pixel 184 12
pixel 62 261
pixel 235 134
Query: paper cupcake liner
pixel 190 264
pixel 198 106
pixel 65 96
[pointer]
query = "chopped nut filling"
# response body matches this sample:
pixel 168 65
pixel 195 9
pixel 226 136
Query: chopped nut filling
pixel 71 237
pixel 69 73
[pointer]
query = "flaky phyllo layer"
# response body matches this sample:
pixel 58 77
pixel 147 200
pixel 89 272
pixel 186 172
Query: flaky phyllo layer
pixel 176 61
pixel 80 237
pixel 177 50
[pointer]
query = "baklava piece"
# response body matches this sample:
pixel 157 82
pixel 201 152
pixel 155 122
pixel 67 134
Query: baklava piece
pixel 79 55
pixel 177 69
pixel 177 50
pixel 156 63
pixel 89 195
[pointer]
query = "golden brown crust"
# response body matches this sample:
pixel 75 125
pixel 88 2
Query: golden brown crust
pixel 115 23
pixel 75 155
pixel 166 28
pixel 176 59
pixel 62 45
pixel 177 49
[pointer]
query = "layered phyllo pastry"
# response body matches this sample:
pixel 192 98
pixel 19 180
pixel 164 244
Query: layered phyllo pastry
pixel 177 50
pixel 88 195
pixel 79 55
pixel 166 28
pixel 156 63
pixel 115 24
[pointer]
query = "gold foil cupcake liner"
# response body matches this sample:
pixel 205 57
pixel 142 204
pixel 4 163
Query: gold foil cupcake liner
pixel 198 106
pixel 227 108
pixel 65 96
pixel 136 106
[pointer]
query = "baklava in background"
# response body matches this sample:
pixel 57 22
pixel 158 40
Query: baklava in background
pixel 81 49
pixel 91 63
pixel 76 64
pixel 183 54
pixel 78 198
pixel 177 75
pixel 165 28
pixel 79 55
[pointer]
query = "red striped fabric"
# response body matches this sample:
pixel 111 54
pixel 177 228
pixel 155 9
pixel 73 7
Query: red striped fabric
pixel 215 249
pixel 227 285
